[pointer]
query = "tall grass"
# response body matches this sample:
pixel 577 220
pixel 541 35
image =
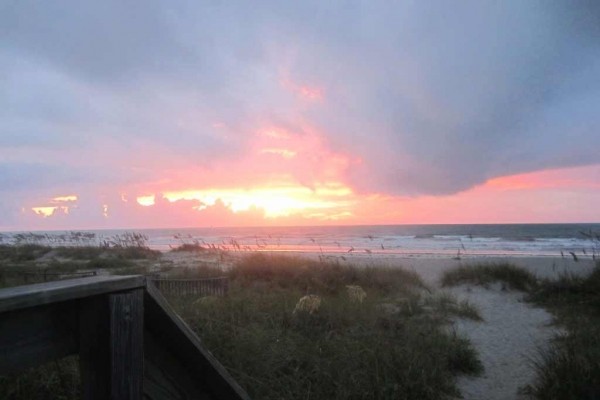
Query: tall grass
pixel 19 253
pixel 383 347
pixel 321 276
pixel 56 380
pixel 484 274
pixel 570 367
pixel 95 252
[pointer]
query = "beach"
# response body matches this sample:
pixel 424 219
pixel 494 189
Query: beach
pixel 505 329
pixel 512 331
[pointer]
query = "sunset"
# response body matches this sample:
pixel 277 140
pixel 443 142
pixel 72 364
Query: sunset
pixel 280 121
pixel 300 200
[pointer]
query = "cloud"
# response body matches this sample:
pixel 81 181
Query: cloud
pixel 410 98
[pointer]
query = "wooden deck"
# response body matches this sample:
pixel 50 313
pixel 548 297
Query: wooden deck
pixel 130 342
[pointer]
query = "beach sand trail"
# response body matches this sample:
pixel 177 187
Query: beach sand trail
pixel 510 335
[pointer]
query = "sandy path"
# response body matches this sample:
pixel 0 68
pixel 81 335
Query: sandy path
pixel 511 332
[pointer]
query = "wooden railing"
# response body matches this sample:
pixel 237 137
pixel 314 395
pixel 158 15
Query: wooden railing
pixel 203 287
pixel 131 344
pixel 45 276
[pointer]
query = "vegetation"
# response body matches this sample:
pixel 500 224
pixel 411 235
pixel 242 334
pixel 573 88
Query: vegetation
pixel 57 380
pixel 33 263
pixel 27 252
pixel 389 345
pixel 448 305
pixel 189 247
pixel 121 253
pixel 484 274
pixel 570 367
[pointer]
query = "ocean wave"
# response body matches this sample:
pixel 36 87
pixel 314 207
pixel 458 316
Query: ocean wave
pixel 519 239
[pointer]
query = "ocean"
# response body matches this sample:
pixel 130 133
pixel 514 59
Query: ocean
pixel 538 240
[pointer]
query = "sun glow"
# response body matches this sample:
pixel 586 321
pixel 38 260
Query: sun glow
pixel 285 153
pixel 50 210
pixel 44 211
pixel 57 206
pixel 146 201
pixel 64 199
pixel 275 201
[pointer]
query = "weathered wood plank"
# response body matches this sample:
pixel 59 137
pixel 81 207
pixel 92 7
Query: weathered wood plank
pixel 51 292
pixel 34 336
pixel 178 339
pixel 165 377
pixel 127 345
pixel 94 339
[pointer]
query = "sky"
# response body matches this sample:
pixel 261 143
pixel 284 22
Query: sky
pixel 148 114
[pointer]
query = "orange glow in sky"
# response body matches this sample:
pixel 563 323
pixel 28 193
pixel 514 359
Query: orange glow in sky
pixel 44 211
pixel 275 201
pixel 559 195
pixel 64 199
pixel 146 200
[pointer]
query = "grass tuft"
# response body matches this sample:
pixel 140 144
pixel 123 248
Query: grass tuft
pixel 193 247
pixel 447 305
pixel 94 252
pixel 54 380
pixel 484 274
pixel 312 276
pixel 20 253
pixel 570 367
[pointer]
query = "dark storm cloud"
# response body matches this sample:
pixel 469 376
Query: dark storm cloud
pixel 434 97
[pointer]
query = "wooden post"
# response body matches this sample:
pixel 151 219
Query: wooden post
pixel 94 359
pixel 127 345
pixel 111 346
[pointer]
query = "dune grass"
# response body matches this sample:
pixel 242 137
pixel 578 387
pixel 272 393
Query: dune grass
pixel 570 367
pixel 54 380
pixel 484 274
pixel 320 276
pixel 95 252
pixel 20 253
pixel 448 305
pixel 19 264
pixel 194 247
pixel 387 346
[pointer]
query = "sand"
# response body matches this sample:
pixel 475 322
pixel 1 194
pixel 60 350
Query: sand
pixel 507 339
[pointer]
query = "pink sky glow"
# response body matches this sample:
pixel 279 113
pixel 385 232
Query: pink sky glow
pixel 560 195
pixel 297 113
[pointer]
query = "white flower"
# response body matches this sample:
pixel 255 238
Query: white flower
pixel 356 293
pixel 309 303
